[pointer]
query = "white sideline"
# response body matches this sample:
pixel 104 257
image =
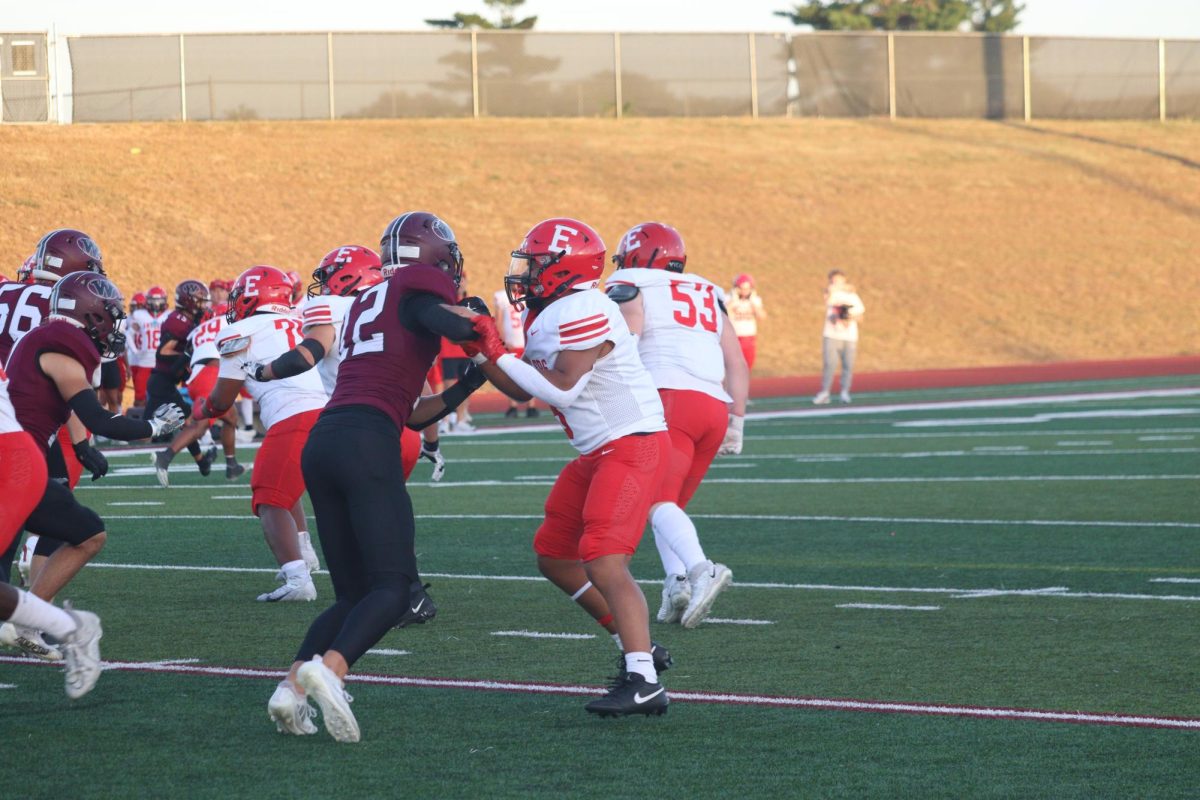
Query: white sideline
pixel 820 587
pixel 540 635
pixel 820 703
pixel 723 621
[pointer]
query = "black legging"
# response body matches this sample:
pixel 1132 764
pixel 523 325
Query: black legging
pixel 365 523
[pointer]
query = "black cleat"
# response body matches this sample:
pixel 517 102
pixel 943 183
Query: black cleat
pixel 421 608
pixel 206 461
pixel 532 412
pixel 630 693
pixel 511 413
pixel 233 471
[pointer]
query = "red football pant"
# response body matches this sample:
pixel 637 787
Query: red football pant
pixel 140 376
pixel 748 349
pixel 203 384
pixel 696 423
pixel 410 450
pixel 277 480
pixel 599 503
pixel 22 482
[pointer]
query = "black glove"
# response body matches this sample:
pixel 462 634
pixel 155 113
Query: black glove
pixel 92 459
pixel 476 304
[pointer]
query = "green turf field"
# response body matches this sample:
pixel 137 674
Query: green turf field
pixel 1043 555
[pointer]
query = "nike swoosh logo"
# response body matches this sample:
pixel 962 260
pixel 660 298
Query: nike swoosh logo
pixel 637 698
pixel 417 607
pixel 606 452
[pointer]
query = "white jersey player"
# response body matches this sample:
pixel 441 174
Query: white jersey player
pixel 581 359
pixel 145 326
pixel 692 351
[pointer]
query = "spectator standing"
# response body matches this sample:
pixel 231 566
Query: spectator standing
pixel 745 309
pixel 843 310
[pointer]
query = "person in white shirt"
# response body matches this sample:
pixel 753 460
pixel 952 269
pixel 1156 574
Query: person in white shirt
pixel 843 311
pixel 508 322
pixel 689 346
pixel 582 361
pixel 144 326
pixel 745 308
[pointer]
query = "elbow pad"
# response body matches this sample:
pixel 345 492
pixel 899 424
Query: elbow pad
pixel 528 378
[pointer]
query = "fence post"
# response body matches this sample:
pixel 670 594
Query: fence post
pixel 891 45
pixel 753 76
pixel 329 67
pixel 49 73
pixel 618 94
pixel 1162 80
pixel 474 75
pixel 1027 82
pixel 182 83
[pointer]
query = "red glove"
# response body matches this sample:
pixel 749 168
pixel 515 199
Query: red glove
pixel 488 343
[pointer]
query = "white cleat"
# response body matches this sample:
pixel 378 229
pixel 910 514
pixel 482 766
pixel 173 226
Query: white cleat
pixel 82 652
pixel 705 589
pixel 822 399
pixel 297 587
pixel 676 594
pixel 25 559
pixel 29 641
pixel 162 463
pixel 327 689
pixel 291 711
pixel 845 397
pixel 308 553
pixel 437 459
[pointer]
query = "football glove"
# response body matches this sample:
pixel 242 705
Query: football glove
pixel 166 420
pixel 437 459
pixel 489 344
pixel 255 370
pixel 92 459
pixel 476 304
pixel 732 444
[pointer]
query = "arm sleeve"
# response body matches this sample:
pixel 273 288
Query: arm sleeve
pixel 452 398
pixel 424 310
pixel 95 418
pixel 292 363
pixel 528 378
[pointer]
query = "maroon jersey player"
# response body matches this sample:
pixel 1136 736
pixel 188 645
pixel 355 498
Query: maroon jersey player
pixel 352 464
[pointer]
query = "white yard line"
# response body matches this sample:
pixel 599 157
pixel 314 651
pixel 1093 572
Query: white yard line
pixel 1165 438
pixel 1116 413
pixel 1084 443
pixel 1032 433
pixel 1175 580
pixel 541 635
pixel 885 607
pixel 136 503
pixel 383 651
pixel 722 621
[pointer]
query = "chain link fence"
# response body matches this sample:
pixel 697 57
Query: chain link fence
pixel 534 74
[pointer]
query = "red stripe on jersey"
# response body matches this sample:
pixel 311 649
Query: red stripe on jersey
pixel 577 338
pixel 580 330
pixel 320 314
pixel 568 327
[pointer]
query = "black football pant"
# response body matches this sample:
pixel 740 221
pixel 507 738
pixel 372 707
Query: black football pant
pixel 161 390
pixel 355 480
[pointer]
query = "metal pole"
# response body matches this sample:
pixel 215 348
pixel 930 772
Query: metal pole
pixel 617 75
pixel 1 90
pixel 1028 82
pixel 182 83
pixel 753 76
pixel 1162 80
pixel 474 75
pixel 329 66
pixel 49 72
pixel 891 45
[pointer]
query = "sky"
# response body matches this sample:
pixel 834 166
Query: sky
pixel 1155 18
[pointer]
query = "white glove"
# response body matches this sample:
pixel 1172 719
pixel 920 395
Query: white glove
pixel 166 420
pixel 732 444
pixel 438 460
pixel 254 370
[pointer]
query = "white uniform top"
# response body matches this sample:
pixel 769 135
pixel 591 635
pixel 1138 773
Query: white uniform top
pixel 681 330
pixel 265 337
pixel 327 309
pixel 8 416
pixel 204 342
pixel 845 330
pixel 145 328
pixel 508 322
pixel 620 397
pixel 742 312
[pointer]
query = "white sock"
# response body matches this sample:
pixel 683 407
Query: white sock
pixel 294 569
pixel 246 411
pixel 642 664
pixel 617 639
pixel 34 612
pixel 674 528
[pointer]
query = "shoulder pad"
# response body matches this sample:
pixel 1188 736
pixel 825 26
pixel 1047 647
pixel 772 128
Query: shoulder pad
pixel 237 344
pixel 621 292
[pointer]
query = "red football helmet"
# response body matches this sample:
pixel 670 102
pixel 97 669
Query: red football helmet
pixel 345 271
pixel 651 245
pixel 25 273
pixel 257 289
pixel 137 301
pixel 64 251
pixel 94 304
pixel 419 237
pixel 192 298
pixel 558 255
pixel 156 299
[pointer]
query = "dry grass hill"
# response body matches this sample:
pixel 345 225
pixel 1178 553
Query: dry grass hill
pixel 972 243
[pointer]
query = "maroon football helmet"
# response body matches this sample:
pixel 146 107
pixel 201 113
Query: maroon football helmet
pixel 419 237
pixel 260 288
pixel 93 303
pixel 651 245
pixel 64 251
pixel 558 255
pixel 192 298
pixel 346 271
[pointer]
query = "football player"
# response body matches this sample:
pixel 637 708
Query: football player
pixel 145 326
pixel 172 362
pixel 582 361
pixel 352 463
pixel 261 328
pixel 686 341
pixel 78 631
pixel 52 371
pixel 512 333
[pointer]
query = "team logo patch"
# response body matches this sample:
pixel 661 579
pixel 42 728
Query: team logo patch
pixel 442 230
